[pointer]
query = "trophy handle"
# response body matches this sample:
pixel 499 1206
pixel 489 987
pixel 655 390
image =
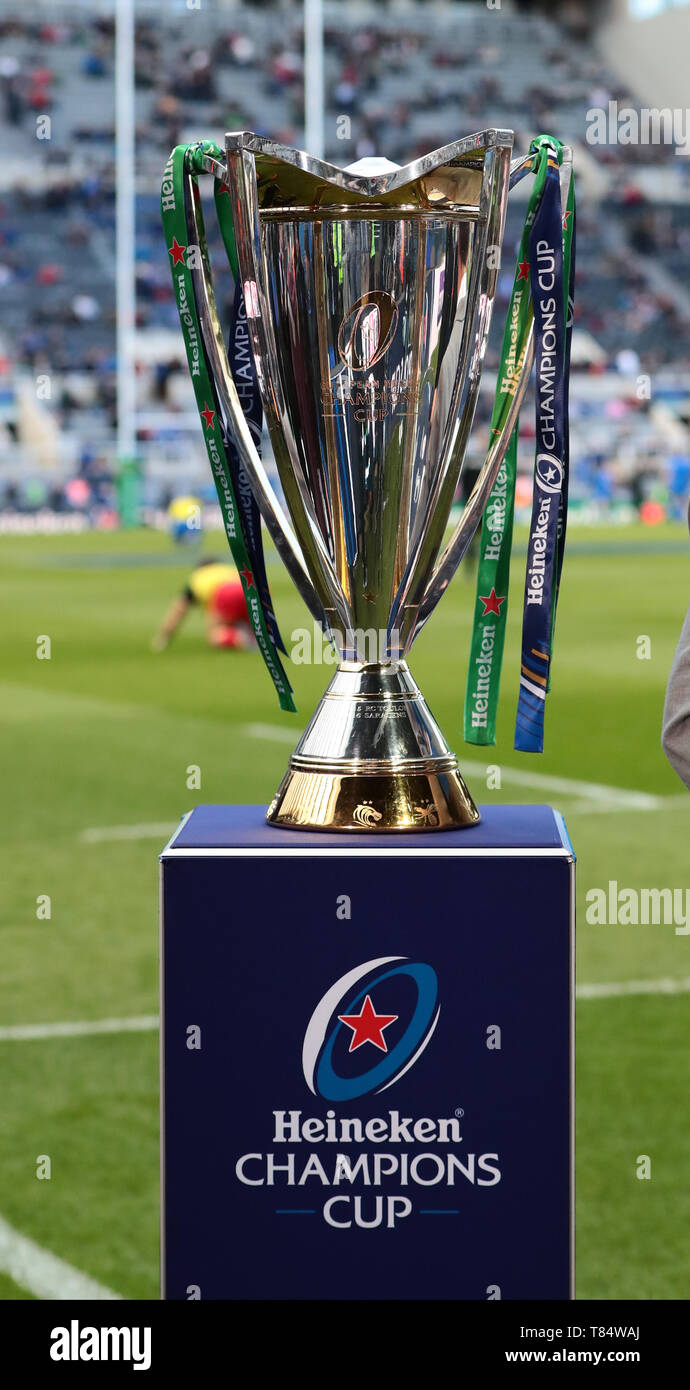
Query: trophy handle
pixel 462 405
pixel 467 525
pixel 231 411
pixel 240 176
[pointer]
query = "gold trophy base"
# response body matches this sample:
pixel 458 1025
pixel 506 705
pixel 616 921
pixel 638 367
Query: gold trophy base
pixel 373 759
pixel 379 803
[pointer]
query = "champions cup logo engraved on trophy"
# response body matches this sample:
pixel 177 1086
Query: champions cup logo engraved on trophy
pixel 372 319
pixel 368 296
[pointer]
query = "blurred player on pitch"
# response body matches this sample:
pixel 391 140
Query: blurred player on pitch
pixel 185 520
pixel 214 587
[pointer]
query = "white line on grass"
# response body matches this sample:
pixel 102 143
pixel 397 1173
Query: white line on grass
pixel 44 1275
pixel 598 797
pixel 658 803
pixel 614 989
pixel 25 1032
pixel 593 791
pixel 95 835
pixel 273 732
pixel 148 1023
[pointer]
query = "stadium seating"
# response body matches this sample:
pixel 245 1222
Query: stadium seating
pixel 239 70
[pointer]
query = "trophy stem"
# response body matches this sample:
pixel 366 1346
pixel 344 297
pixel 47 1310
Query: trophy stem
pixel 373 759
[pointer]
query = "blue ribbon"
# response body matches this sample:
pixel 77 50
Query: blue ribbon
pixel 552 329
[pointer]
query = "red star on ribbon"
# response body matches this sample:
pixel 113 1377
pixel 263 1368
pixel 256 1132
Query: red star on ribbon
pixel 492 603
pixel 177 252
pixel 368 1026
pixel 523 270
pixel 248 578
pixel 208 415
pixel 566 215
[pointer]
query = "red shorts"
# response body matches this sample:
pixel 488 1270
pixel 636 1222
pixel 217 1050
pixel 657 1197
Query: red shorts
pixel 232 637
pixel 228 603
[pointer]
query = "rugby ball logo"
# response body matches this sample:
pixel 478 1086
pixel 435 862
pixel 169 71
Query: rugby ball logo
pixel 370 1027
pixel 367 330
pixel 549 473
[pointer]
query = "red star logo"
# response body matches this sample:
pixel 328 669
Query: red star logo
pixel 492 603
pixel 368 1026
pixel 523 270
pixel 566 215
pixel 177 252
pixel 208 415
pixel 248 578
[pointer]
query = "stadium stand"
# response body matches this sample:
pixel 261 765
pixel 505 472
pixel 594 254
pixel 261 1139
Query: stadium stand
pixel 221 69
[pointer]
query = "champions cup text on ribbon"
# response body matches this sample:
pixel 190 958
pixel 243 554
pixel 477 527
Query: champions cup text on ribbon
pixel 543 290
pixel 240 513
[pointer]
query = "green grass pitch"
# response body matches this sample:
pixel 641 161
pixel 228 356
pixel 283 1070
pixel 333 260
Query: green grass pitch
pixel 101 735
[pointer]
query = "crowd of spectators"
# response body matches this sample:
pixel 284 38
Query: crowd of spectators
pixel 399 84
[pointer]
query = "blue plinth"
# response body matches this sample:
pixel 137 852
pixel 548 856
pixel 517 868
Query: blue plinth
pixel 244 827
pixel 367 1060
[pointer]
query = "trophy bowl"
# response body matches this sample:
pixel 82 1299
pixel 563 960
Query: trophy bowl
pixel 368 294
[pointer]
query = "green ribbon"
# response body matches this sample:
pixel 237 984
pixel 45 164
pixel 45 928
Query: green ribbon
pixel 189 159
pixel 493 573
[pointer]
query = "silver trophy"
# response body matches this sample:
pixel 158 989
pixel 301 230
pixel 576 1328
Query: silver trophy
pixel 369 294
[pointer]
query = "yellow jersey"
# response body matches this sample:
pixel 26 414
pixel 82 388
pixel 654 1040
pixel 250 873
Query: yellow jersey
pixel 205 582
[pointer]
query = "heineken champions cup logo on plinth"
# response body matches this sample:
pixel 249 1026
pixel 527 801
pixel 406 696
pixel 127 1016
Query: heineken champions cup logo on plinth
pixel 357 1016
pixel 361 1170
pixel 365 296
